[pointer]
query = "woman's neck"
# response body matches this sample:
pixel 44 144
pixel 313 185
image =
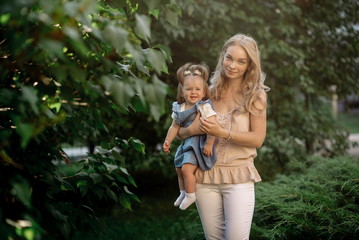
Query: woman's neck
pixel 234 84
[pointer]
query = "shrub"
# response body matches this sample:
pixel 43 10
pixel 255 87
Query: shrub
pixel 319 201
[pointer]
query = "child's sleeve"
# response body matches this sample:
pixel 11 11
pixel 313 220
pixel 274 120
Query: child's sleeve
pixel 175 108
pixel 206 110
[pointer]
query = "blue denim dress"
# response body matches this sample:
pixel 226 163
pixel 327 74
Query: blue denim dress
pixel 191 149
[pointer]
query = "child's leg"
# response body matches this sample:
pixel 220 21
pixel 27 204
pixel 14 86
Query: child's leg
pixel 181 187
pixel 189 184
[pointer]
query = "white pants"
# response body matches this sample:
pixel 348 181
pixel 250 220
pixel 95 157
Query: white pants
pixel 226 210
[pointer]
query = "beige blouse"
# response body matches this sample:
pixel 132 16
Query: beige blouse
pixel 235 164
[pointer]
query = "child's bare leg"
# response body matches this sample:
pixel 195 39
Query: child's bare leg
pixel 181 187
pixel 189 184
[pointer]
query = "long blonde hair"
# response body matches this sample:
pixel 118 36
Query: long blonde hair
pixel 253 78
pixel 191 69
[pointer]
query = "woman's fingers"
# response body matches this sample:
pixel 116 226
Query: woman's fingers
pixel 205 125
pixel 210 126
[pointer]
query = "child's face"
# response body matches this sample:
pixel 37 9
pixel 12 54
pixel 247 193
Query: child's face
pixel 193 89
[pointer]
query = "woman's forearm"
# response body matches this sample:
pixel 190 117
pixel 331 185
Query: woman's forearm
pixel 253 138
pixel 247 139
pixel 191 130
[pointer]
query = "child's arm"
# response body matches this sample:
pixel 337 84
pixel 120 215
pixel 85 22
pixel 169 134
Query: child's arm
pixel 208 147
pixel 207 112
pixel 171 134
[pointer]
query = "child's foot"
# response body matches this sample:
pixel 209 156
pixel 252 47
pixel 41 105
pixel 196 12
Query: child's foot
pixel 187 201
pixel 180 198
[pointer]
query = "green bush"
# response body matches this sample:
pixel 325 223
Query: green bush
pixel 294 133
pixel 69 71
pixel 318 201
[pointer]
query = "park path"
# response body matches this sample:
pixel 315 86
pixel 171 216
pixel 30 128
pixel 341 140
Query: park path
pixel 354 151
pixel 78 152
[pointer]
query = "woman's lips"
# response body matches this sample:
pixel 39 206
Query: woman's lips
pixel 231 72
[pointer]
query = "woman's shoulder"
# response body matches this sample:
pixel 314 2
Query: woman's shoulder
pixel 260 102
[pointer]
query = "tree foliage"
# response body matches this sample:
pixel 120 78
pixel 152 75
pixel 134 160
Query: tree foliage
pixel 69 71
pixel 305 51
pixel 89 71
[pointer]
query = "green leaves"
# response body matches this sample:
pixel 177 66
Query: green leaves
pixel 155 94
pixel 103 174
pixel 70 71
pixel 25 130
pixel 116 35
pixel 22 191
pixel 29 95
pixel 157 59
pixel 153 4
pixel 142 29
pixel 171 16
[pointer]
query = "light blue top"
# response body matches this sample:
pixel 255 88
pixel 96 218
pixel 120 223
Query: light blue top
pixel 191 149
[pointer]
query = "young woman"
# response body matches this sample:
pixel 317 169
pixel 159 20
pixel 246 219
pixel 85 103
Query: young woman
pixel 196 150
pixel 225 193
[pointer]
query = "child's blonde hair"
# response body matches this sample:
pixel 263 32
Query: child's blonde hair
pixel 191 69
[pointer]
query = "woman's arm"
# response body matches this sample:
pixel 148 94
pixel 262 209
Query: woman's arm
pixel 254 138
pixel 257 132
pixel 191 130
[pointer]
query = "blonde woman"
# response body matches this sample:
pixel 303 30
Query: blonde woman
pixel 225 193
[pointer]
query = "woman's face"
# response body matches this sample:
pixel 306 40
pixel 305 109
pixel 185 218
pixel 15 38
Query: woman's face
pixel 235 62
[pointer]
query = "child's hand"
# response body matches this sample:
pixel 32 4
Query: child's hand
pixel 166 147
pixel 207 150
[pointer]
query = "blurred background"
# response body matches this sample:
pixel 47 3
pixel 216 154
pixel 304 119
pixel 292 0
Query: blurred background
pixel 86 88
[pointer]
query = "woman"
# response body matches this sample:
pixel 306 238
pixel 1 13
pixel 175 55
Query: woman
pixel 225 193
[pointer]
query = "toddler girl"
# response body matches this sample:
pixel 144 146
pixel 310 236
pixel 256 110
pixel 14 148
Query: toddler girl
pixel 195 151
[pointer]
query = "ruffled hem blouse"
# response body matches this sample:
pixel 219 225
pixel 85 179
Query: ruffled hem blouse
pixel 235 164
pixel 240 171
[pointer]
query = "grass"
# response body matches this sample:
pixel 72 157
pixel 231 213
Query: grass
pixel 349 121
pixel 155 218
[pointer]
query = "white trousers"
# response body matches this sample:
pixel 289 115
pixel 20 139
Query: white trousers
pixel 226 210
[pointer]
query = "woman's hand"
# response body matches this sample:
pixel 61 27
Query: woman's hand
pixel 211 126
pixel 191 130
